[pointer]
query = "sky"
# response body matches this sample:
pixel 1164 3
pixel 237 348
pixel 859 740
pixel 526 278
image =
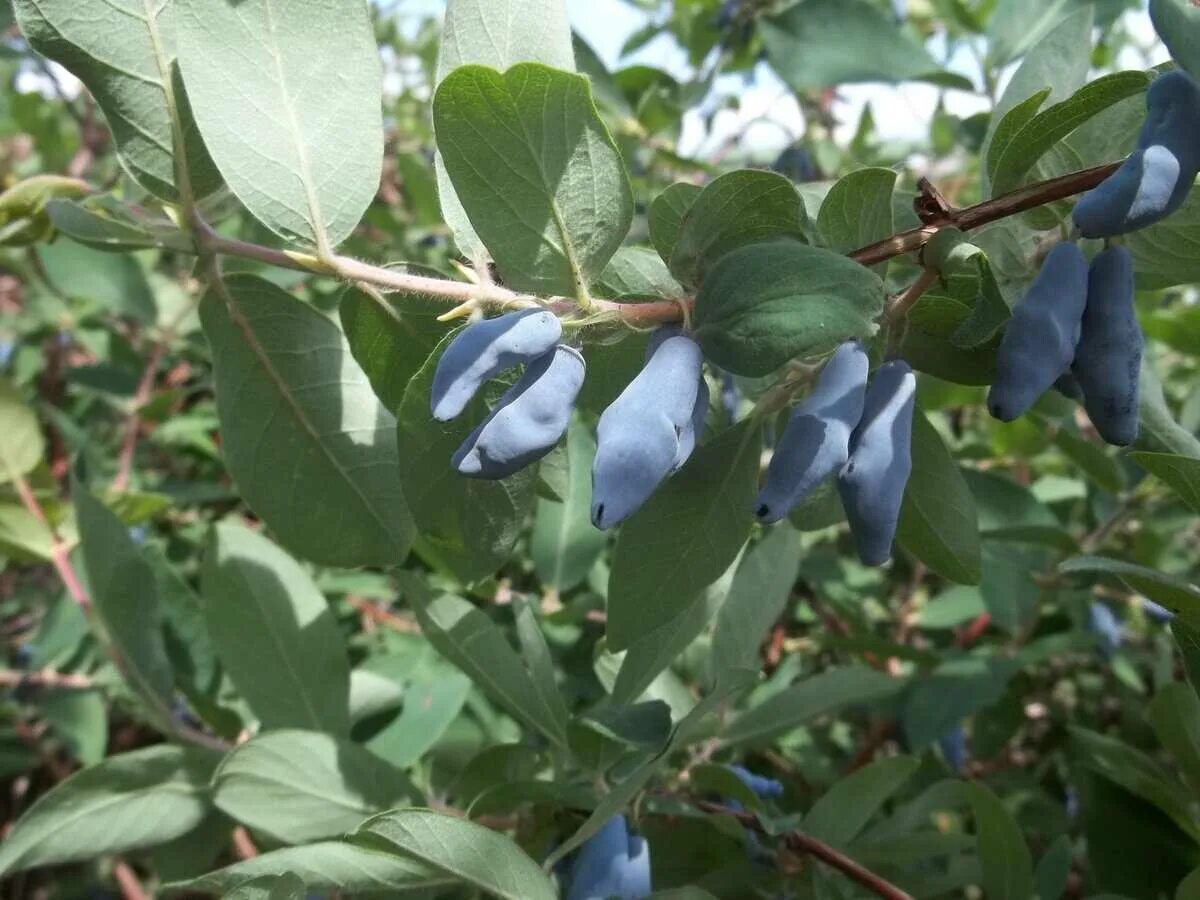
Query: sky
pixel 902 113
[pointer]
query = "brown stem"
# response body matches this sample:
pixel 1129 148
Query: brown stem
pixel 1021 200
pixel 133 423
pixel 799 842
pixel 47 678
pixel 59 553
pixel 131 888
pixel 939 216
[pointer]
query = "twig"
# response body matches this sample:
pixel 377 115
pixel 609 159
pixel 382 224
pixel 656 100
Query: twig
pixel 243 844
pixel 799 842
pixel 59 552
pixel 133 423
pixel 47 678
pixel 131 888
pixel 382 616
pixel 644 314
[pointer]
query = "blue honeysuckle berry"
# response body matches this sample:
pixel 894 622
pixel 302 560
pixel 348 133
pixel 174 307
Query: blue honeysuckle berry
pixel 483 350
pixel 1155 181
pixel 7 348
pixel 1108 359
pixel 873 482
pixel 764 788
pixel 953 745
pixel 1156 613
pixel 816 442
pixel 1039 343
pixel 651 429
pixel 611 863
pixel 528 421
pixel 1104 624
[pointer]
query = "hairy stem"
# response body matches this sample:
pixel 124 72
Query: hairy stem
pixel 645 314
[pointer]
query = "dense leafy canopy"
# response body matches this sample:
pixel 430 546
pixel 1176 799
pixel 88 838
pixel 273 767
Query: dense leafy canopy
pixel 262 640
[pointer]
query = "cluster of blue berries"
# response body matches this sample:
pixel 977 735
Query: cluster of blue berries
pixel 652 428
pixel 864 434
pixel 644 436
pixel 1076 329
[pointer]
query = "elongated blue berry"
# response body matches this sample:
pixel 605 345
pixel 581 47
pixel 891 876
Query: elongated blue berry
pixel 1039 342
pixel 765 788
pixel 650 430
pixel 872 483
pixel 483 350
pixel 1156 179
pixel 1108 361
pixel 816 442
pixel 528 421
pixel 612 863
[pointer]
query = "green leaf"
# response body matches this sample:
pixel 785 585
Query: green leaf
pixel 639 272
pixel 288 99
pixel 498 34
pixel 391 337
pixel 21 444
pixel 536 654
pixel 684 537
pixel 24 537
pixel 1015 158
pixel 815 696
pixel 1054 869
pixel 564 545
pixel 275 634
pixel 739 208
pixel 286 886
pixel 845 809
pixel 129 801
pixel 472 642
pixel 1010 589
pixel 115 283
pixel 80 720
pixel 938 521
pixel 955 690
pixel 311 448
pixel 432 701
pixel 1137 773
pixel 300 786
pixel 1159 430
pixel 329 866
pixel 1059 61
pixel 1187 639
pixel 467 525
pixel 1094 460
pixel 653 653
pixel 822 43
pixel 471 854
pixel 125 600
pixel 1175 716
pixel 1007 864
pixel 105 223
pixel 1182 473
pixel 125 54
pixel 537 173
pixel 621 794
pixel 765 304
pixel 667 213
pixel 1178 24
pixel 857 211
pixel 1012 122
pixel 1177 595
pixel 760 592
